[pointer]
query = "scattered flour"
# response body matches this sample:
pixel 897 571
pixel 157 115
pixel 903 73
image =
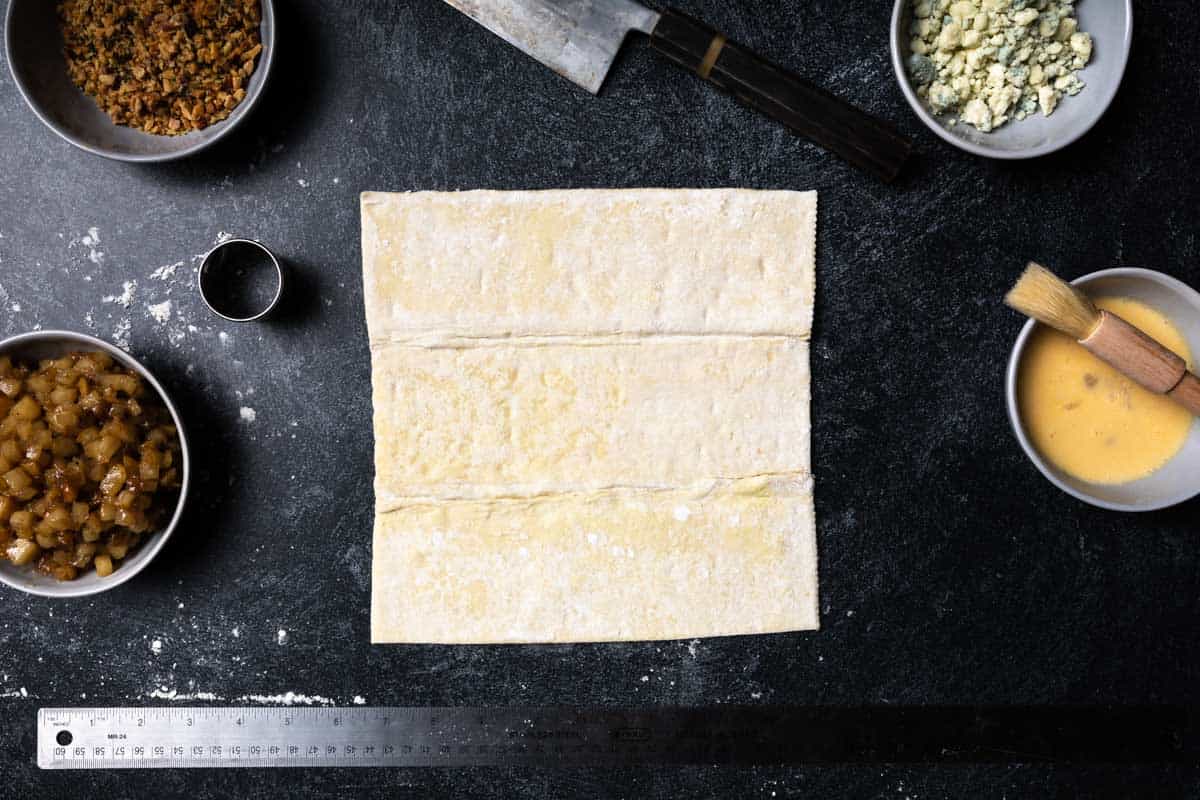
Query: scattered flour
pixel 121 333
pixel 92 241
pixel 125 298
pixel 249 415
pixel 288 699
pixel 5 297
pixel 282 699
pixel 163 693
pixel 221 238
pixel 166 272
pixel 161 311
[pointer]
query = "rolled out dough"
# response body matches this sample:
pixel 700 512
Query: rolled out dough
pixel 465 422
pixel 591 414
pixel 584 262
pixel 598 566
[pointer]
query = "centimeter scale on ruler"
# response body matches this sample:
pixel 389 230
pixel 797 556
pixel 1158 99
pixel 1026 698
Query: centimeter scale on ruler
pixel 179 737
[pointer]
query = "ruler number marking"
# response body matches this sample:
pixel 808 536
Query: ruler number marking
pixel 212 736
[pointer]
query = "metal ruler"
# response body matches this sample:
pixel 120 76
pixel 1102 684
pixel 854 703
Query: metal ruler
pixel 177 737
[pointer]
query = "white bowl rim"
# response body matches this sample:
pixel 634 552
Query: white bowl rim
pixel 150 550
pixel 1014 414
pixel 1055 145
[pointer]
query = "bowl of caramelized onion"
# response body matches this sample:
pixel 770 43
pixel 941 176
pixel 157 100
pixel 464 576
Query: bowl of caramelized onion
pixel 93 465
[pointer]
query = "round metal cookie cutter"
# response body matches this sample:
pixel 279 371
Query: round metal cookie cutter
pixel 220 270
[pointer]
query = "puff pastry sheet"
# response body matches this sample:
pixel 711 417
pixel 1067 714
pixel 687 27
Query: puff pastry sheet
pixel 591 414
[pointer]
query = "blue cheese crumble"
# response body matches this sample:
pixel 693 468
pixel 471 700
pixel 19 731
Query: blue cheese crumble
pixel 989 61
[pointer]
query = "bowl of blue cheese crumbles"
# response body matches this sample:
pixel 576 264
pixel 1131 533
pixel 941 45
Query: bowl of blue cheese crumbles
pixel 1010 78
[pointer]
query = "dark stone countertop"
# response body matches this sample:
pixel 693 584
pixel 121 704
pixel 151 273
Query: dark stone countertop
pixel 951 572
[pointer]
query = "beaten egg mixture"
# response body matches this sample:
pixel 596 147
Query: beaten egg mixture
pixel 1090 420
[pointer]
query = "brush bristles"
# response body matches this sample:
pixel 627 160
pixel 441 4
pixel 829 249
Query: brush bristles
pixel 1042 295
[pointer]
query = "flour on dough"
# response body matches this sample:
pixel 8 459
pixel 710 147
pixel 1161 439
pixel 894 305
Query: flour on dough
pixel 591 414
pixel 517 420
pixel 581 262
pixel 600 566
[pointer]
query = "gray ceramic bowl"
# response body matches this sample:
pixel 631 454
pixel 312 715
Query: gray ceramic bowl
pixel 51 344
pixel 1179 479
pixel 1111 24
pixel 35 56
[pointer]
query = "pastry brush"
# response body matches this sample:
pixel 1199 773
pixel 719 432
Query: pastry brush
pixel 1045 297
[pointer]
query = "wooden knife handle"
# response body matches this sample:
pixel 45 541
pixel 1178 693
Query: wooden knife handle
pixel 1129 350
pixel 865 141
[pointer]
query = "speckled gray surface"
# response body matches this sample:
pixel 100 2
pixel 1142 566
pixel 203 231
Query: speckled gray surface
pixel 951 572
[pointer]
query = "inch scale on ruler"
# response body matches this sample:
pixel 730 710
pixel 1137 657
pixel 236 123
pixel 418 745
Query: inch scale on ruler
pixel 178 737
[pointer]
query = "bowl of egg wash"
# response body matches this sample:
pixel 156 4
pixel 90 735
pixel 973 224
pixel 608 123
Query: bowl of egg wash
pixel 1090 430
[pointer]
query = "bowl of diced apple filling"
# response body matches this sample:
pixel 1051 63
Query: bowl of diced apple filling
pixel 93 465
pixel 1010 79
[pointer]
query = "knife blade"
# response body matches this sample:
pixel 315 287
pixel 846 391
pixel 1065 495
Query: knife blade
pixel 579 40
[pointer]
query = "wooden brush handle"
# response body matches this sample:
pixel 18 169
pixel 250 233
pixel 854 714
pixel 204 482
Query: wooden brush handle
pixel 1187 393
pixel 1129 350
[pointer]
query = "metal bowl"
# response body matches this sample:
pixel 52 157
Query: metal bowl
pixel 1111 24
pixel 35 57
pixel 52 344
pixel 1179 479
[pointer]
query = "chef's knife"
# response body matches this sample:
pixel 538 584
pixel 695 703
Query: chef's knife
pixel 580 38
